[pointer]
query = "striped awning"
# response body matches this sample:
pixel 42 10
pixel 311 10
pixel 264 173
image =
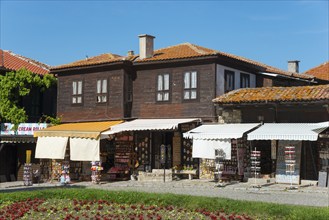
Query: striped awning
pixel 148 124
pixel 78 130
pixel 219 131
pixel 288 131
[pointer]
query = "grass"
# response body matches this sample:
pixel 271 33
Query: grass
pixel 257 210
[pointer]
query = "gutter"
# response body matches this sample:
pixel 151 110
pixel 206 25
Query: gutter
pixel 275 75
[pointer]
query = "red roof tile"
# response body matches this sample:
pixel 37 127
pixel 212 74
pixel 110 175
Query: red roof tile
pixel 275 94
pixel 14 62
pixel 188 50
pixel 320 72
pixel 96 60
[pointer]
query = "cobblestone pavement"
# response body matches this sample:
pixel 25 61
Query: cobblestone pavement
pixel 275 193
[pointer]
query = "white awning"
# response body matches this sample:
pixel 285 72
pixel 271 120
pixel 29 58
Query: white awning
pixel 84 149
pixel 147 124
pixel 288 131
pixel 51 147
pixel 206 148
pixel 219 131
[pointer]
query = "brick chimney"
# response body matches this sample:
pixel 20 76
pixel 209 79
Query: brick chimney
pixel 145 46
pixel 293 66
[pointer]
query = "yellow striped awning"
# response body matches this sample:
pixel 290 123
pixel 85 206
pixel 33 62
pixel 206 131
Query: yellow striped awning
pixel 81 129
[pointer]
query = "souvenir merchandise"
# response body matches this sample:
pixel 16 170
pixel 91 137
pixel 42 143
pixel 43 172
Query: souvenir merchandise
pixel 65 176
pixel 27 175
pixel 96 168
pixel 56 170
pixel 255 164
pixel 290 161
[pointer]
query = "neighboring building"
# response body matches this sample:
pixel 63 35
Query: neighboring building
pixel 288 105
pixel 173 86
pixel 321 72
pixel 15 146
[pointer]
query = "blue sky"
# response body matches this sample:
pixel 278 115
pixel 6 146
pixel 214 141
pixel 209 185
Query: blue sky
pixel 272 32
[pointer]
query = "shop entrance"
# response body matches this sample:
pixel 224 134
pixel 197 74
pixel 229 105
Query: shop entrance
pixel 158 139
pixel 8 162
pixel 266 163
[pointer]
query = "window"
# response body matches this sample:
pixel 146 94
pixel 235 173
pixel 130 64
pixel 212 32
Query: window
pixel 190 85
pixel 76 92
pixel 163 87
pixel 229 81
pixel 101 91
pixel 244 80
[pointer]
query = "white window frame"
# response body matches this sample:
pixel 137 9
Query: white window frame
pixel 190 85
pixel 163 87
pixel 101 90
pixel 77 91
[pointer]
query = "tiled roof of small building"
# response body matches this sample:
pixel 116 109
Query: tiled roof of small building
pixel 275 94
pixel 320 72
pixel 13 62
pixel 96 60
pixel 188 50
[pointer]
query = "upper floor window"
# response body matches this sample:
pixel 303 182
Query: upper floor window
pixel 163 87
pixel 190 85
pixel 244 80
pixel 76 92
pixel 101 91
pixel 229 81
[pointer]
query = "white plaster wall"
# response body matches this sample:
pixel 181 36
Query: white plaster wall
pixel 220 79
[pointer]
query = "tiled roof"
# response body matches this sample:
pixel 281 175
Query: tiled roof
pixel 13 62
pixel 188 50
pixel 320 72
pixel 96 60
pixel 275 94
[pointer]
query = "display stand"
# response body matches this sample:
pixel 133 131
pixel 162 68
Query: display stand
pixel 96 169
pixel 65 177
pixel 27 176
pixel 290 160
pixel 255 165
pixel 219 163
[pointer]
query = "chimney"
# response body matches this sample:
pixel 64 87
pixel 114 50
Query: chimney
pixel 293 66
pixel 130 53
pixel 145 46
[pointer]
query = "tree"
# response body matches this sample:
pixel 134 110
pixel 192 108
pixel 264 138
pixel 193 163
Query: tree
pixel 13 86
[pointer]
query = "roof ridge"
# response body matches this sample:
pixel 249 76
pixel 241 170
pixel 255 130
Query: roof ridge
pixel 29 60
pixel 322 64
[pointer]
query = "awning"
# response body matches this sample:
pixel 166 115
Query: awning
pixel 81 130
pixel 288 131
pixel 51 147
pixel 84 149
pixel 147 124
pixel 219 131
pixel 18 139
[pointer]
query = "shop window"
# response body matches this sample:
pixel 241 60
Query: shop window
pixel 101 91
pixel 244 80
pixel 76 92
pixel 163 87
pixel 229 81
pixel 190 85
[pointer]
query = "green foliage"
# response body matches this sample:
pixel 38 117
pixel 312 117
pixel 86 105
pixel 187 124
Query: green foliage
pixel 15 85
pixel 257 210
pixel 50 120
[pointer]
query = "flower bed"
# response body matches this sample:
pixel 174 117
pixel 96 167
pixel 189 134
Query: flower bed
pixel 102 209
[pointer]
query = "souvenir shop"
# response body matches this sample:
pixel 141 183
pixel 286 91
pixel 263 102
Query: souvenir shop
pixel 75 152
pixel 288 152
pixel 17 148
pixel 138 146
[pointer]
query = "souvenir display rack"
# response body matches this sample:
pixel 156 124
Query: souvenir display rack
pixel 290 160
pixel 230 166
pixel 28 174
pixel 65 173
pixel 96 168
pixel 187 160
pixel 56 170
pixel 121 169
pixel 255 164
pixel 143 154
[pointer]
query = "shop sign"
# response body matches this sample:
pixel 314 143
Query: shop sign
pixel 23 128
